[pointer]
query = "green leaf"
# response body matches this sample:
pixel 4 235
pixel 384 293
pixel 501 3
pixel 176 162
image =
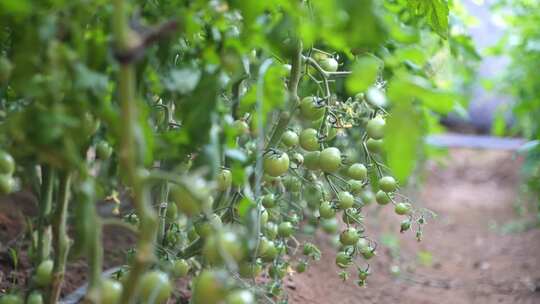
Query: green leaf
pixel 435 12
pixel 402 139
pixel 364 74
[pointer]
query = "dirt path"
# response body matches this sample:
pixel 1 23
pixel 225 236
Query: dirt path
pixel 466 258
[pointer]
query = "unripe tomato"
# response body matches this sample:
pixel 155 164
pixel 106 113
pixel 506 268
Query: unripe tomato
pixel 309 139
pixel 263 220
pixel 205 227
pixel 376 97
pixel 352 215
pixel 155 287
pixel 311 160
pixel 277 271
pixel 329 226
pixel 374 145
pixel 269 201
pixel 343 260
pixel 103 150
pixel 267 250
pixel 382 198
pixel 356 186
pixel 11 299
pixel 180 268
pixel 241 127
pixel 7 163
pixel 5 69
pixel 375 127
pixel 249 270
pixel 223 243
pixel 224 180
pixel 172 212
pixel 329 64
pixel 36 298
pixel 43 274
pixel 402 208
pixel 387 184
pixel 346 200
pixel 357 171
pixel 326 210
pixel 111 290
pixel 208 287
pixel 367 252
pixel 285 229
pixel 310 108
pixel 240 297
pixel 362 243
pixel 193 198
pixel 6 184
pixel 330 160
pixel 349 236
pixel 290 139
pixel 405 225
pixel 271 230
pixel 367 197
pixel 276 164
pixel 292 184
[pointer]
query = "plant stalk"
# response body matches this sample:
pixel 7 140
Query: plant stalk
pixel 61 241
pixel 45 206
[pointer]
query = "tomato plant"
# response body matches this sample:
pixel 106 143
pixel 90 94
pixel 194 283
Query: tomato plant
pixel 220 129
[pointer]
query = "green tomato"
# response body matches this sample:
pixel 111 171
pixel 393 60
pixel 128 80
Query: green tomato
pixel 269 201
pixel 367 252
pixel 208 287
pixel 276 164
pixel 249 270
pixel 329 226
pixel 367 197
pixel 224 180
pixel 310 108
pixel 180 268
pixel 343 260
pixel 6 184
pixel 357 171
pixel 43 275
pixel 330 160
pixel 271 230
pixel 375 127
pixel 311 160
pixel 5 69
pixel 326 210
pixel 356 186
pixel 222 243
pixel 352 215
pixel 290 139
pixel 402 208
pixel 292 184
pixel 240 297
pixel 172 212
pixel 374 145
pixel 349 237
pixel 155 287
pixel 193 198
pixel 277 271
pixel 264 217
pixel 382 198
pixel 37 298
pixel 309 139
pixel 285 229
pixel 301 266
pixel 103 150
pixel 205 227
pixel 405 225
pixel 111 291
pixel 267 250
pixel 7 163
pixel 387 184
pixel 346 200
pixel 11 299
pixel 241 127
pixel 329 64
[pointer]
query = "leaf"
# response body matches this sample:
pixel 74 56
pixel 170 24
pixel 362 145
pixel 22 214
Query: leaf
pixel 364 74
pixel 402 139
pixel 435 12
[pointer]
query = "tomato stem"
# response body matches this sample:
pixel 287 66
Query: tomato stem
pixel 48 177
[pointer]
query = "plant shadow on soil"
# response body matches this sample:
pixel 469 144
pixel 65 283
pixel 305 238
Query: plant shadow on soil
pixel 462 258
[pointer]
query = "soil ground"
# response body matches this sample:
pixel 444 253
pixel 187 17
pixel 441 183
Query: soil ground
pixel 464 257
